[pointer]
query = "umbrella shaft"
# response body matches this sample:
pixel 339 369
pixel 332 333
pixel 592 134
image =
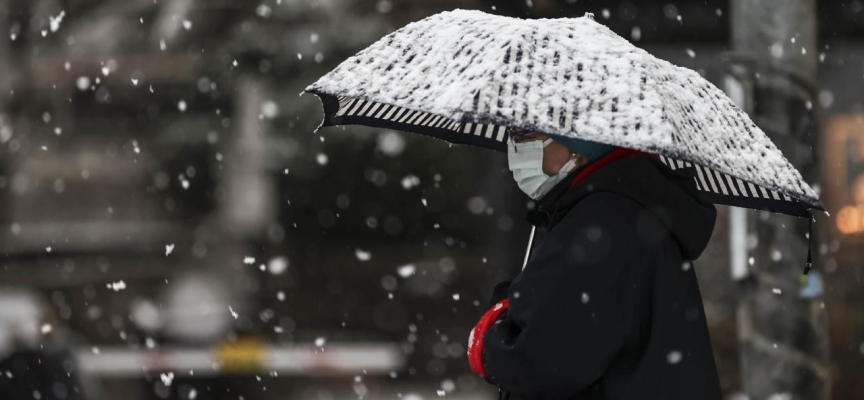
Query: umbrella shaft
pixel 528 250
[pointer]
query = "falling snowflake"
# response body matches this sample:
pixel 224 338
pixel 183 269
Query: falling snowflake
pixel 362 255
pixel 83 83
pixel 269 109
pixel 54 22
pixel 181 106
pixel 636 33
pixel 321 158
pixel 167 378
pixel 248 260
pixel 46 328
pixel 384 6
pixel 319 341
pixel 585 297
pixel 391 143
pixel 278 265
pixel 168 249
pixel 117 286
pixel 406 270
pixel 263 11
pixel 233 313
pixel 410 181
pixel 674 357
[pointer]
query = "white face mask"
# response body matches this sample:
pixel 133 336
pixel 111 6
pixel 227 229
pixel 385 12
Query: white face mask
pixel 526 162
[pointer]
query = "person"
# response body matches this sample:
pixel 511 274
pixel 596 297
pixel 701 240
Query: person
pixel 608 305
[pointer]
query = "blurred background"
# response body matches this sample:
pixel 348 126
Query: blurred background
pixel 171 226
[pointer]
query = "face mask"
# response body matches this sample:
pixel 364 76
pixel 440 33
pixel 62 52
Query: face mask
pixel 526 162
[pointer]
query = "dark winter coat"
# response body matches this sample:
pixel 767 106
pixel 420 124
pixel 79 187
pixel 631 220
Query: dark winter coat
pixel 608 306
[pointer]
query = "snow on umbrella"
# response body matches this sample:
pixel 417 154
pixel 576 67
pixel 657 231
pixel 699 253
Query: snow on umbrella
pixel 467 76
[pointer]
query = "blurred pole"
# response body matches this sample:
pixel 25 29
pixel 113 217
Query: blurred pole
pixel 782 330
pixel 248 195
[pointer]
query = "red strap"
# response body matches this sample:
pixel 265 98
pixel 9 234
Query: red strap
pixel 475 340
pixel 615 155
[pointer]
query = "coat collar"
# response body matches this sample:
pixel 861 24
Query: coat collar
pixel 549 205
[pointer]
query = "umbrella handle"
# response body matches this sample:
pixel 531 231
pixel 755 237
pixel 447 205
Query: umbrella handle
pixel 528 250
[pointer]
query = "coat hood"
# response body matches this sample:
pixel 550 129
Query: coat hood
pixel 670 196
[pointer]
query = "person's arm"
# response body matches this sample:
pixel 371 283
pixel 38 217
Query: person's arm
pixel 563 322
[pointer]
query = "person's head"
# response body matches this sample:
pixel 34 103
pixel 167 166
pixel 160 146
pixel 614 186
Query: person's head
pixel 539 162
pixel 555 155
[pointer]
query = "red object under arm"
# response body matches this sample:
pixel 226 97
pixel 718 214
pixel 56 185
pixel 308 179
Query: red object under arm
pixel 475 340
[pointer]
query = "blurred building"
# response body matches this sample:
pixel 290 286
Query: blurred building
pixel 162 189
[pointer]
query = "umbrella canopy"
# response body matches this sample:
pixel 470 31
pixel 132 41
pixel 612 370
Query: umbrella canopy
pixel 466 76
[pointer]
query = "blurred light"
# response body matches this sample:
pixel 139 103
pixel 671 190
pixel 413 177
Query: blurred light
pixel 849 220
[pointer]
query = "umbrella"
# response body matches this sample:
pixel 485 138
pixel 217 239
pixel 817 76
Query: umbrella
pixel 466 76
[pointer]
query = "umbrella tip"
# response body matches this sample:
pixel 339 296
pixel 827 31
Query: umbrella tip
pixel 589 15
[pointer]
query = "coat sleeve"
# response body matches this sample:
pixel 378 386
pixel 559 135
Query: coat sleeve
pixel 565 324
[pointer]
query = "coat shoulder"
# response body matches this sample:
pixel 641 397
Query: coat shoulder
pixel 606 227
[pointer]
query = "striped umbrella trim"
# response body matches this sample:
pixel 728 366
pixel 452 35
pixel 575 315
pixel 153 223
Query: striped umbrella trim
pixel 713 186
pixel 720 188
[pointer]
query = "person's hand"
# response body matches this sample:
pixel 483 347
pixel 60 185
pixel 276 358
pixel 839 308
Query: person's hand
pixel 499 292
